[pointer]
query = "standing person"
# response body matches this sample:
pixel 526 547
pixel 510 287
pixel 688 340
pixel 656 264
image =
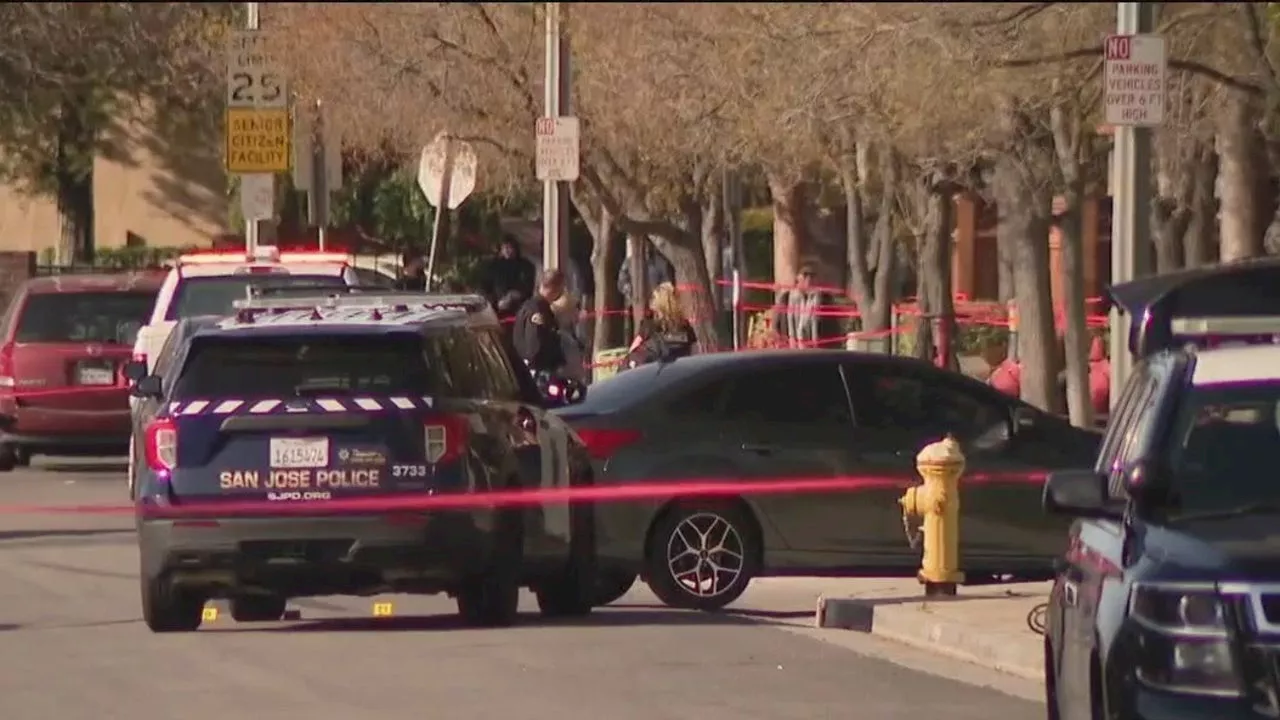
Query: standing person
pixel 535 332
pixel 507 279
pixel 666 334
pixel 575 350
pixel 796 317
pixel 413 273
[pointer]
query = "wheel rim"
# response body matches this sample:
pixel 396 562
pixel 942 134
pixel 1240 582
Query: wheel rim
pixel 705 555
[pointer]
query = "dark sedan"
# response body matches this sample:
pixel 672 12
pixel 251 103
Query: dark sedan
pixel 769 415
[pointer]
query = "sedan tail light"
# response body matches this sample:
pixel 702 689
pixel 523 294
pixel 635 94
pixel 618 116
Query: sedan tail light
pixel 162 445
pixel 603 443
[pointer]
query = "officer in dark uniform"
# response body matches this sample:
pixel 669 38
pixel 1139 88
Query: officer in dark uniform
pixel 536 333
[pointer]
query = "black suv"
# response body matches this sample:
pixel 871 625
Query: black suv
pixel 282 457
pixel 1167 604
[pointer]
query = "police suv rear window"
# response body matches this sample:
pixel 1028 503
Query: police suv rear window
pixel 304 365
pixel 215 295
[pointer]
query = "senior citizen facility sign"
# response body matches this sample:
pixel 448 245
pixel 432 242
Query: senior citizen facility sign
pixel 258 140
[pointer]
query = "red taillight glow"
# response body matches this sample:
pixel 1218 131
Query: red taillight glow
pixel 603 443
pixel 445 438
pixel 162 445
pixel 6 366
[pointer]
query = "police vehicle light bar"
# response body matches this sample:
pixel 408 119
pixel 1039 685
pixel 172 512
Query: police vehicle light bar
pixel 339 298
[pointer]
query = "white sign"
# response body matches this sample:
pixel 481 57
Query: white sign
pixel 1134 80
pixel 462 173
pixel 258 196
pixel 252 78
pixel 558 148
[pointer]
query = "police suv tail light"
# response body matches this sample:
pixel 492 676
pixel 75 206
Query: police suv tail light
pixel 162 445
pixel 444 438
pixel 1183 642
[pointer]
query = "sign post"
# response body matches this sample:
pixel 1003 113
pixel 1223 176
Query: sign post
pixel 1134 95
pixel 257 118
pixel 447 175
pixel 556 130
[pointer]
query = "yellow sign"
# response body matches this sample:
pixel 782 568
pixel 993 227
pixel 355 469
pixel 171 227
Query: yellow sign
pixel 258 140
pixel 209 614
pixel 383 609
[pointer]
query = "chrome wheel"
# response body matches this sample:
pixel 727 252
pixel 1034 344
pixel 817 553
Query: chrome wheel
pixel 705 555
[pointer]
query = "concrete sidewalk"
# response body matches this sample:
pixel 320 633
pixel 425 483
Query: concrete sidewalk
pixel 987 625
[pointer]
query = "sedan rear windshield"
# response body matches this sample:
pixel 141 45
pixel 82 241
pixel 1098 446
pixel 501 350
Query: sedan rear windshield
pixel 215 295
pixel 302 366
pixel 97 317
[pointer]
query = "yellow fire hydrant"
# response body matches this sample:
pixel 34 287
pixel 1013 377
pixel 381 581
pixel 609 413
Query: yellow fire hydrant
pixel 937 504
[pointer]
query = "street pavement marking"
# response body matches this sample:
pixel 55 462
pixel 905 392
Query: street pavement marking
pixel 383 609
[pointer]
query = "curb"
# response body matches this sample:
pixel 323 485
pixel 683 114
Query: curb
pixel 920 625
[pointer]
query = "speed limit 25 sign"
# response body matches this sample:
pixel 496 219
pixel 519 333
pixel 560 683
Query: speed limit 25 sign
pixel 253 81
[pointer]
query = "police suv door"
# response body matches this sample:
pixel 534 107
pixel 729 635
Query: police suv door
pixel 1094 560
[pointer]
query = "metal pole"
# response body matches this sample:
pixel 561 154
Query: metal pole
pixel 555 195
pixel 1131 251
pixel 254 22
pixel 442 209
pixel 319 202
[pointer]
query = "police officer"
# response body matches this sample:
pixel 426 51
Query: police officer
pixel 536 333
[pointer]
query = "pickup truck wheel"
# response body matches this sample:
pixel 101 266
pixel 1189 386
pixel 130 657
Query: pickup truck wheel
pixel 166 608
pixel 258 608
pixel 8 457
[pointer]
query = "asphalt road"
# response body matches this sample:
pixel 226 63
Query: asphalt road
pixel 72 646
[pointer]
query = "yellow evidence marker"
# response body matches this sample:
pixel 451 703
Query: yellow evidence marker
pixel 209 614
pixel 383 609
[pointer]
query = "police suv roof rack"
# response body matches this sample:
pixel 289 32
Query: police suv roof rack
pixel 1238 300
pixel 340 297
pixel 310 290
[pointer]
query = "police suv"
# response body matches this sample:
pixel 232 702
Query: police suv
pixel 295 403
pixel 1167 604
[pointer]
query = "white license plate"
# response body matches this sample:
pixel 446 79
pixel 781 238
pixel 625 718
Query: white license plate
pixel 299 452
pixel 95 376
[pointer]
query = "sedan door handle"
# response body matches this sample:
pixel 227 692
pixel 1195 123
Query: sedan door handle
pixel 758 449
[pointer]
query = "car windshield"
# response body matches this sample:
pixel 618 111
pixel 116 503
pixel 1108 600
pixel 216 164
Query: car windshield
pixel 215 295
pixel 304 365
pixel 1227 438
pixel 68 317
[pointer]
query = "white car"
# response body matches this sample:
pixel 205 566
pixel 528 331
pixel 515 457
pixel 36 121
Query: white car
pixel 208 283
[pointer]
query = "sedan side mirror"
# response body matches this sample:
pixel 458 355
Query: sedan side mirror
pixel 1078 493
pixel 148 387
pixel 135 370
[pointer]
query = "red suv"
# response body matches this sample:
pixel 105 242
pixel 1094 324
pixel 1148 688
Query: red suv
pixel 64 342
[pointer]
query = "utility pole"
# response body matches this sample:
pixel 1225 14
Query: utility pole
pixel 557 86
pixel 253 22
pixel 1131 251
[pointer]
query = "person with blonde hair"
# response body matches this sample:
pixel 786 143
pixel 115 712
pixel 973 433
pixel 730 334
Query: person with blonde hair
pixel 666 334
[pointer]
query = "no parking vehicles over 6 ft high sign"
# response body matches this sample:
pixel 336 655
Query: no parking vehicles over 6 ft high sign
pixel 1135 80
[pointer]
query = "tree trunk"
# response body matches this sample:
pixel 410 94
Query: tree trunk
pixel 691 267
pixel 935 271
pixel 1023 226
pixel 73 178
pixel 1200 242
pixel 869 252
pixel 713 239
pixel 1239 150
pixel 603 252
pixel 790 240
pixel 1071 147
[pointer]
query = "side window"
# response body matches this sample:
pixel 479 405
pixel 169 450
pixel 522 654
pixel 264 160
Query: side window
pixel 502 381
pixel 811 395
pixel 1134 435
pixel 889 398
pixel 1130 399
pixel 704 400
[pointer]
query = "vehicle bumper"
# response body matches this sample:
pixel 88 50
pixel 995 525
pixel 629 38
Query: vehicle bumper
pixel 68 444
pixel 1154 705
pixel 302 556
pixel 64 427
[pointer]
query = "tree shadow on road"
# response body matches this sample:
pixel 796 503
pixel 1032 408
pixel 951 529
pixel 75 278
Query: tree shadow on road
pixel 62 533
pixel 96 467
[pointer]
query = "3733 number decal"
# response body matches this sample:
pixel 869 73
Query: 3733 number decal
pixel 410 471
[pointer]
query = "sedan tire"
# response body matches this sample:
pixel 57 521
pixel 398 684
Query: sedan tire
pixel 702 555
pixel 611 585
